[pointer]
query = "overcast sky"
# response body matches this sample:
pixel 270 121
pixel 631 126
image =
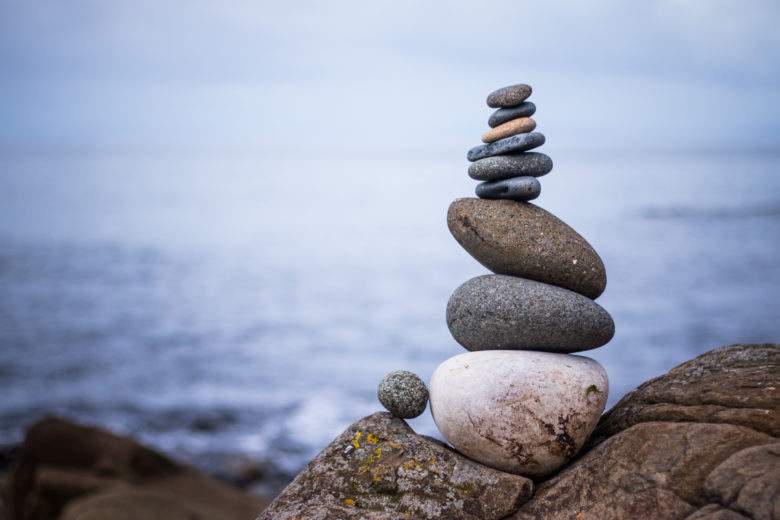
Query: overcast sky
pixel 385 75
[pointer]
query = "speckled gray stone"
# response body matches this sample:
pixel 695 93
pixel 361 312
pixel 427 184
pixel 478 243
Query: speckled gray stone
pixel 498 312
pixel 502 115
pixel 517 188
pixel 403 394
pixel 508 97
pixel 516 143
pixel 499 167
pixel 522 239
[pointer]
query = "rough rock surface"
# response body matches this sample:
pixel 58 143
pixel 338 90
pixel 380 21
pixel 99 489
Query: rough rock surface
pixel 498 312
pixel 651 470
pixel 514 144
pixel 92 474
pixel 523 412
pixel 380 469
pixel 507 166
pixel 521 239
pixel 520 125
pixel 517 188
pixel 692 444
pixel 502 115
pixel 736 385
pixel 509 96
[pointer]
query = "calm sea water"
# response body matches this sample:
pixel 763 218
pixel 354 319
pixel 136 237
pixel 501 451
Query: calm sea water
pixel 218 305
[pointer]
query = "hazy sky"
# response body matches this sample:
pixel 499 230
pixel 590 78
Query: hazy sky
pixel 385 75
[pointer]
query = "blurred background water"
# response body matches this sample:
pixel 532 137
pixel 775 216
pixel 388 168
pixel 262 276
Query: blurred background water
pixel 218 305
pixel 220 225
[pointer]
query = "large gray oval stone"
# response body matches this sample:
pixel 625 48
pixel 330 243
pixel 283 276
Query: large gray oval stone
pixel 500 167
pixel 516 143
pixel 502 115
pixel 521 239
pixel 498 312
pixel 517 188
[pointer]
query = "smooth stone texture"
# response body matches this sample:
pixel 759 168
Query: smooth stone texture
pixel 508 97
pixel 516 126
pixel 521 239
pixel 516 143
pixel 517 188
pixel 379 469
pixel 498 312
pixel 502 115
pixel 403 394
pixel 499 167
pixel 739 384
pixel 523 412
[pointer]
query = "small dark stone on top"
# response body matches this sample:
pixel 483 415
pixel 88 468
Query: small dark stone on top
pixel 508 97
pixel 502 115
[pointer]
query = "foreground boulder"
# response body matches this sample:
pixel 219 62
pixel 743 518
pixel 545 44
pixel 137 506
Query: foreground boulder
pixel 380 469
pixel 699 442
pixel 74 472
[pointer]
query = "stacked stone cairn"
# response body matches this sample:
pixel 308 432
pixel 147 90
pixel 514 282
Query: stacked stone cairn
pixel 519 401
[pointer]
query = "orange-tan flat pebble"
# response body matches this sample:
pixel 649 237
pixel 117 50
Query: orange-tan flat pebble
pixel 521 125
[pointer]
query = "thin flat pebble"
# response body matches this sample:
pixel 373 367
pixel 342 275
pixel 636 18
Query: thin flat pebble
pixel 502 115
pixel 508 97
pixel 533 164
pixel 517 188
pixel 516 143
pixel 521 125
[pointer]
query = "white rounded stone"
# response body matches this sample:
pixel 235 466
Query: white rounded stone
pixel 524 412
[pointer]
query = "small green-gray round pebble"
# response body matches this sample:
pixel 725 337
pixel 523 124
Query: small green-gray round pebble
pixel 403 393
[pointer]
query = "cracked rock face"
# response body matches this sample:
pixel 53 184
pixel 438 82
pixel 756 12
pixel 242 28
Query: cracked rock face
pixel 521 239
pixel 380 469
pixel 697 443
pixel 523 412
pixel 496 312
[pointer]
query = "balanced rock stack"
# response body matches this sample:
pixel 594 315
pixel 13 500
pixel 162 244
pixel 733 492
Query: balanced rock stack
pixel 519 401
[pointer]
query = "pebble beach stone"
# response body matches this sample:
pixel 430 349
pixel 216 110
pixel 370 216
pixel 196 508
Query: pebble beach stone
pixel 522 412
pixel 403 393
pixel 516 143
pixel 508 97
pixel 517 188
pixel 522 239
pixel 502 115
pixel 520 125
pixel 498 312
pixel 524 164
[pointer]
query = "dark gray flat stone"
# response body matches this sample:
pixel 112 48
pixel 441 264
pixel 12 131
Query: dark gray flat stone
pixel 508 97
pixel 498 312
pixel 516 143
pixel 502 115
pixel 526 164
pixel 517 188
